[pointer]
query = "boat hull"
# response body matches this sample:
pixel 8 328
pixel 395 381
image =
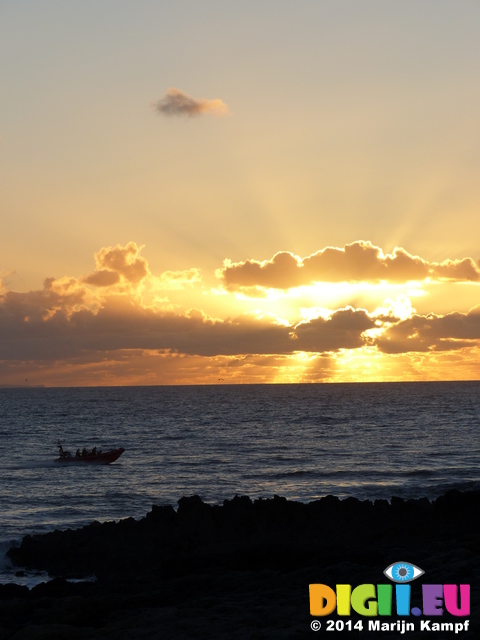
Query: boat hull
pixel 101 458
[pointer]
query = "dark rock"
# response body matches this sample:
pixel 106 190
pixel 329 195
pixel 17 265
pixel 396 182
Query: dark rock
pixel 235 570
pixel 8 591
pixel 58 588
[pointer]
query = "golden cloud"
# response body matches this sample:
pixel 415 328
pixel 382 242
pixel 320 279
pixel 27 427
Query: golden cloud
pixel 152 367
pixel 177 280
pixel 115 264
pixel 102 318
pixel 356 262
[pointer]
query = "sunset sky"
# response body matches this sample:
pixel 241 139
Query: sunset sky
pixel 235 192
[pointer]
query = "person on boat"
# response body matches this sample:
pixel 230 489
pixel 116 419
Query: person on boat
pixel 84 452
pixel 62 453
pixel 77 454
pixel 94 451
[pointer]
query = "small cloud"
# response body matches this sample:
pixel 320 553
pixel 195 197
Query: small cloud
pixel 113 262
pixel 6 278
pixel 177 103
pixel 178 280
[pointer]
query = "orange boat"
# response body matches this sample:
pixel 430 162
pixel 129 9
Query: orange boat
pixel 102 457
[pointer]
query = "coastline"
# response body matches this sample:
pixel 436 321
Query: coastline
pixel 240 570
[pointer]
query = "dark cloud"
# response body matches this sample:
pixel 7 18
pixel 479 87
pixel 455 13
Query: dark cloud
pixel 35 306
pixel 102 278
pixel 177 103
pixel 432 333
pixel 124 324
pixel 343 330
pixel 357 262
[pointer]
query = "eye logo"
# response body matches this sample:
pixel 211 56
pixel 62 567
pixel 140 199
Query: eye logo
pixel 403 572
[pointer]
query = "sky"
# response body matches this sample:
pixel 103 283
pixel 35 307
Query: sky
pixel 223 192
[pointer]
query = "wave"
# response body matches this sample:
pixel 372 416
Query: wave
pixel 354 474
pixel 34 464
pixel 11 574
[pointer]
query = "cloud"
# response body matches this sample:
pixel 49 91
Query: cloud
pixel 116 264
pixel 102 278
pixel 48 325
pixel 152 367
pixel 113 320
pixel 6 278
pixel 356 262
pixel 36 307
pixel 177 103
pixel 342 330
pixel 178 280
pixel 432 332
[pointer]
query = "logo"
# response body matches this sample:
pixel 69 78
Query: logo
pixel 384 600
pixel 403 572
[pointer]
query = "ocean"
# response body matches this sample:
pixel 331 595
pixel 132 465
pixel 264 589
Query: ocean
pixel 371 441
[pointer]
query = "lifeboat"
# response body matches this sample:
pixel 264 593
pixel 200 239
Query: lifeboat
pixel 91 457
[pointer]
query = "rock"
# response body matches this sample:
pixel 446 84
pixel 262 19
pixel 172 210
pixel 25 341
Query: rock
pixel 241 569
pixel 9 591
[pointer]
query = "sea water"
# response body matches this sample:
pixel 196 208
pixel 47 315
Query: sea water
pixel 299 441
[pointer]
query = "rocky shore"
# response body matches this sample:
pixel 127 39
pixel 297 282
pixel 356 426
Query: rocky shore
pixel 239 570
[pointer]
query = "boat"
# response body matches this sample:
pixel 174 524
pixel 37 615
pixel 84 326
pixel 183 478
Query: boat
pixel 91 457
